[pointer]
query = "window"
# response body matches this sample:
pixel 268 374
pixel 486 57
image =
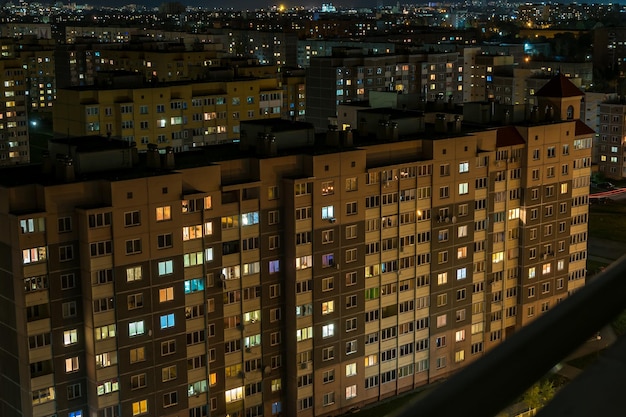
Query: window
pixel 328 398
pixel 328 307
pixel 133 274
pixel 35 255
pixel 273 192
pixel 73 391
pixel 351 184
pixel 132 218
pixel 103 304
pixel 138 381
pixel 135 328
pixel 70 337
pixel 133 246
pixel 166 294
pixel 328 330
pixel 463 188
pixel 140 407
pixel 64 224
pixel 328 284
pixel 328 212
pixel 168 347
pixel 351 208
pixel 106 359
pixel 71 364
pixel 163 213
pixel 167 321
pixel 68 281
pixel 166 267
pixel 328 187
pixel 135 301
pixel 234 394
pixel 164 241
pixel 168 373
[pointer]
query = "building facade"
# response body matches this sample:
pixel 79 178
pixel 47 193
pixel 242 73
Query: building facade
pixel 274 280
pixel 14 142
pixel 181 115
pixel 610 140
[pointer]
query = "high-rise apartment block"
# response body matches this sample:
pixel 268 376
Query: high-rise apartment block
pixel 280 278
pixel 349 76
pixel 610 141
pixel 182 115
pixel 13 107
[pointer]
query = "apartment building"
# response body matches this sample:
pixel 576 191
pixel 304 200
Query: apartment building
pixel 277 278
pixel 14 143
pixel 349 76
pixel 610 140
pixel 182 115
pixel 159 61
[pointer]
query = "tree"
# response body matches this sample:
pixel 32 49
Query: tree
pixel 539 394
pixel 532 397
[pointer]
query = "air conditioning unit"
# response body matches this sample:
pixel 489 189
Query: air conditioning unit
pixel 248 350
pixel 332 220
pixel 304 365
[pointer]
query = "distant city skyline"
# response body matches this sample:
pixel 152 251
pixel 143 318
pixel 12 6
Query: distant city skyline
pixel 236 4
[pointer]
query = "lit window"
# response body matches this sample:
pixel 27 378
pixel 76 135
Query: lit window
pixel 135 328
pixel 166 294
pixel 70 337
pixel 328 330
pixel 234 394
pixel 167 321
pixel 140 407
pixel 71 364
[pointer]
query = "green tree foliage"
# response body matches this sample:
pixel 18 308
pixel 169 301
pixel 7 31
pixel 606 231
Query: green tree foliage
pixel 539 394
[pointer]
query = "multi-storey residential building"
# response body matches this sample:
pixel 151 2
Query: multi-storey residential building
pixel 349 76
pixel 37 57
pixel 278 278
pixel 294 93
pixel 182 115
pixel 14 143
pixel 610 142
pixel 159 61
pixel 609 50
pixel 309 48
pixel 269 47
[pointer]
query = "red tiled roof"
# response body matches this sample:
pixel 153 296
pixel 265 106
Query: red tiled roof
pixel 583 129
pixel 559 86
pixel 508 136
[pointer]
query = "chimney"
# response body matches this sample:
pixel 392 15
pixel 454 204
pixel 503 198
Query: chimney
pixel 168 158
pixel 153 159
pixel 441 125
